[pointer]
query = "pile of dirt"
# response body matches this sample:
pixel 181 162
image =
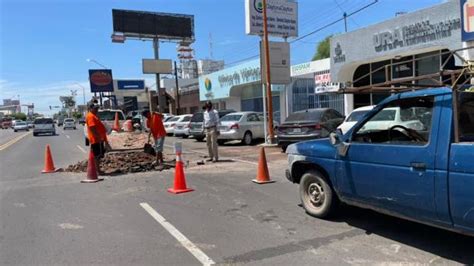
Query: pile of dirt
pixel 127 140
pixel 116 163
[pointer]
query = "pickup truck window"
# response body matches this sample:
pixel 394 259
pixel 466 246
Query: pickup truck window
pixel 466 117
pixel 406 121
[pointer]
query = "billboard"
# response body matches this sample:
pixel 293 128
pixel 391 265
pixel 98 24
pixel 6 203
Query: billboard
pixel 282 18
pixel 101 80
pixel 144 24
pixel 467 20
pixel 130 84
pixel 156 66
pixel 279 62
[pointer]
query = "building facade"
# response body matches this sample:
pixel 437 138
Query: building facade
pixel 399 51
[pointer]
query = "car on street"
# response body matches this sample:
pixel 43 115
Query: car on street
pixel 423 174
pixel 307 125
pixel 181 128
pixel 355 116
pixel 30 123
pixel 196 128
pixel 244 126
pixel 44 126
pixel 14 122
pixel 69 123
pixel 20 126
pixel 6 123
pixel 82 121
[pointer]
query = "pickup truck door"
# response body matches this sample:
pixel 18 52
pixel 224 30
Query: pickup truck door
pixel 393 174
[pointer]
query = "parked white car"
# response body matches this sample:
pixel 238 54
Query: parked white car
pixel 355 116
pixel 244 126
pixel 170 124
pixel 387 118
pixel 20 125
pixel 181 128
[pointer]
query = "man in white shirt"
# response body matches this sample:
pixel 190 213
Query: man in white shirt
pixel 211 122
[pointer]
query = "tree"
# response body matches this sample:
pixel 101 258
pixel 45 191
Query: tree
pixel 323 50
pixel 77 115
pixel 20 116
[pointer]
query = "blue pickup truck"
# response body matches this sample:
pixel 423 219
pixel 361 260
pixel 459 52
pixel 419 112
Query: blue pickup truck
pixel 423 173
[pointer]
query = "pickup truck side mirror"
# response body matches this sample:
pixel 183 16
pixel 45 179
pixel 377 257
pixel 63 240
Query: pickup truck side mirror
pixel 336 139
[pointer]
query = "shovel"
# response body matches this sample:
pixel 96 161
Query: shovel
pixel 148 148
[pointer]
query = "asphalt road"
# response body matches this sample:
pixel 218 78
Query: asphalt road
pixel 53 219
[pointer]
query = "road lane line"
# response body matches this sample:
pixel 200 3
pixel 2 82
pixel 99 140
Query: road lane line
pixel 80 148
pixel 67 136
pixel 13 141
pixel 185 242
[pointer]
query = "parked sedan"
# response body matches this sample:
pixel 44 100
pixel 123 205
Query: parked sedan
pixel 244 126
pixel 182 127
pixel 308 124
pixel 196 128
pixel 170 125
pixel 20 125
pixel 354 117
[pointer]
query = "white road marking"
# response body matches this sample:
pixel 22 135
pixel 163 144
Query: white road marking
pixel 67 136
pixel 70 226
pixel 185 242
pixel 81 149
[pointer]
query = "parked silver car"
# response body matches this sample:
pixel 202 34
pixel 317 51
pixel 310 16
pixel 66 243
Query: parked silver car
pixel 244 126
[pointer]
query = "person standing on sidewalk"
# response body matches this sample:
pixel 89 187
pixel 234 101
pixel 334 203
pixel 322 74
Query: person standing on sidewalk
pixel 97 134
pixel 155 123
pixel 211 121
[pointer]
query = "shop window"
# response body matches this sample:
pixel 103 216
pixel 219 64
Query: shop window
pixel 427 63
pixel 361 100
pixel 402 68
pixel 379 71
pixel 362 76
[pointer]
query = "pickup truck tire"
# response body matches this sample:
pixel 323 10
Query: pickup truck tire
pixel 316 195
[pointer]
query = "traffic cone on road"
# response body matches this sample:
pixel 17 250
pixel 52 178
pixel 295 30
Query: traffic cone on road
pixel 116 126
pixel 263 177
pixel 179 178
pixel 92 175
pixel 48 162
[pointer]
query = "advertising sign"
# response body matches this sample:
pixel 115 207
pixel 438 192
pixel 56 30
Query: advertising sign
pixel 279 62
pixel 101 80
pixel 323 84
pixel 155 66
pixel 282 18
pixel 467 20
pixel 130 84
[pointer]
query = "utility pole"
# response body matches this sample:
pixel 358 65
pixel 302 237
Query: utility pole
pixel 271 136
pixel 177 88
pixel 160 91
pixel 345 21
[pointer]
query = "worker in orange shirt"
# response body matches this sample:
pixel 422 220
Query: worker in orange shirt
pixel 97 134
pixel 157 129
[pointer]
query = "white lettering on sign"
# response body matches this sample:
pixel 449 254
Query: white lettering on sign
pixel 282 18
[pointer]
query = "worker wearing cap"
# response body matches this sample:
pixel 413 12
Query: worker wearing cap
pixel 97 134
pixel 157 129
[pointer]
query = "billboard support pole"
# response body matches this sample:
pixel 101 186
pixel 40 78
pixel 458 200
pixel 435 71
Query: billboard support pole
pixel 271 136
pixel 160 91
pixel 177 88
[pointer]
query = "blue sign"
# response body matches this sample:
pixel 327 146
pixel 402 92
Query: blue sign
pixel 467 20
pixel 130 84
pixel 101 80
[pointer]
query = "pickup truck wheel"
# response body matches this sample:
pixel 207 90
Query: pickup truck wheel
pixel 317 195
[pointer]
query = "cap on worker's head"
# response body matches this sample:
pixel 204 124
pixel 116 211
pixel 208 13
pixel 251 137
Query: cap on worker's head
pixel 93 105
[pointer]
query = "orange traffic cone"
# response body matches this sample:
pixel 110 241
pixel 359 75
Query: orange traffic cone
pixel 179 178
pixel 263 177
pixel 48 162
pixel 116 126
pixel 92 175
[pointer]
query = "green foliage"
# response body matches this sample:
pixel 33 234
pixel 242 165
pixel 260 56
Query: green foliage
pixel 76 115
pixel 20 116
pixel 323 49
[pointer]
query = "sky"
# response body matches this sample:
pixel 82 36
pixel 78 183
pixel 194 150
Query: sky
pixel 45 44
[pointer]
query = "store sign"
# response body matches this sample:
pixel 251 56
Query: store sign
pixel 339 56
pixel 279 62
pixel 413 34
pixel 130 84
pixel 323 84
pixel 282 18
pixel 101 80
pixel 467 19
